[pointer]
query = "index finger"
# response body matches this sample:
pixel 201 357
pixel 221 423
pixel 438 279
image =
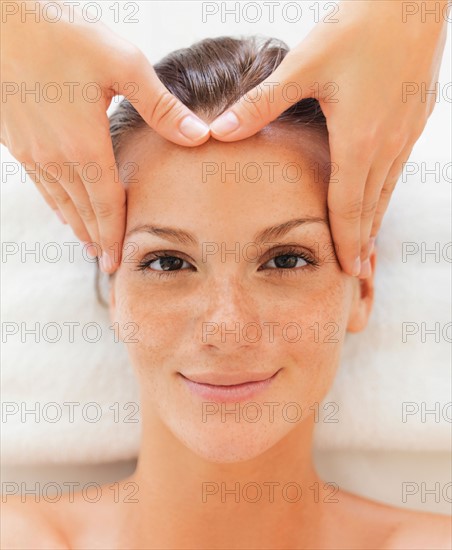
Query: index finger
pixel 107 195
pixel 345 201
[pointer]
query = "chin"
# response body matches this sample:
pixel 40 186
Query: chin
pixel 226 452
pixel 230 441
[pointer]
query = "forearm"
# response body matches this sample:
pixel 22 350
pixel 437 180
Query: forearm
pixel 426 13
pixel 411 24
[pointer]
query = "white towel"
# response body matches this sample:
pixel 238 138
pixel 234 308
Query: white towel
pixel 379 372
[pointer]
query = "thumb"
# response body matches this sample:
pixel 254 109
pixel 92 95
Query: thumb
pixel 263 103
pixel 164 112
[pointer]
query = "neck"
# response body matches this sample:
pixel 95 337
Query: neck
pixel 271 501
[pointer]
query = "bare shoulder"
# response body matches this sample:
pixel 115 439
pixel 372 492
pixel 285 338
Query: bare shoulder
pixel 71 521
pixel 25 525
pixel 422 531
pixel 376 524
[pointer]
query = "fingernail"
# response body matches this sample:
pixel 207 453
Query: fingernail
pixel 60 215
pixel 105 263
pixel 356 267
pixel 366 269
pixel 225 124
pixel 371 245
pixel 193 128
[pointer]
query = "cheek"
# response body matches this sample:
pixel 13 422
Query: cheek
pixel 156 319
pixel 309 331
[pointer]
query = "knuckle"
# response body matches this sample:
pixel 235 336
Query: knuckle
pixel 388 188
pixel 167 106
pixel 47 179
pixel 369 208
pixel 377 224
pixel 85 211
pixel 349 212
pixel 103 210
pixel 364 251
pixel 61 198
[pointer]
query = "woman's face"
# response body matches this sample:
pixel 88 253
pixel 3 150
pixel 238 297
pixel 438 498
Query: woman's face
pixel 250 287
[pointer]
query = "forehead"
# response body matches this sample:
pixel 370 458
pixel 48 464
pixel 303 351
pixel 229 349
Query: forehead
pixel 278 168
pixel 276 142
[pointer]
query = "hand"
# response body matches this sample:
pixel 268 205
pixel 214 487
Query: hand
pixel 368 57
pixel 65 145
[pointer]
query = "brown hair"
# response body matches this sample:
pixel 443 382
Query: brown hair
pixel 209 77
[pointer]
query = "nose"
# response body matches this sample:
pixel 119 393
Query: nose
pixel 229 319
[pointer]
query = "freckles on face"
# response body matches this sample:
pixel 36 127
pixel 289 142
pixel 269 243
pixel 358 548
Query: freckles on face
pixel 197 191
pixel 203 210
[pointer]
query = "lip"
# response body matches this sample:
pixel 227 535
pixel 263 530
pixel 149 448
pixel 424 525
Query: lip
pixel 228 388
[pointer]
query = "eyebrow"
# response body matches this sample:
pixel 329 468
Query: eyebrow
pixel 175 234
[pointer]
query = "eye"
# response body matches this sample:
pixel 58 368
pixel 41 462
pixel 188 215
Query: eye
pixel 162 263
pixel 168 263
pixel 289 261
pixel 286 261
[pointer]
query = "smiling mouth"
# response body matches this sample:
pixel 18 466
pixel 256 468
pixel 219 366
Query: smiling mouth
pixel 227 380
pixel 228 392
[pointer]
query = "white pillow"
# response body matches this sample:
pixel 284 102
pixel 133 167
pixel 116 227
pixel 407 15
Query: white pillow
pixel 379 371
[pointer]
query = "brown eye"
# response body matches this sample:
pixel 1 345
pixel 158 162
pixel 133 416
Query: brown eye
pixel 168 263
pixel 286 261
pixel 163 262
